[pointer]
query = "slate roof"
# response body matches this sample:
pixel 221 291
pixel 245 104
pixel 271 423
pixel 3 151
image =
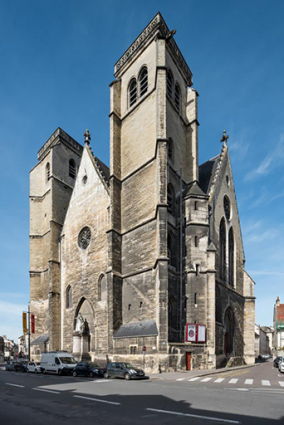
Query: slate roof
pixel 104 170
pixel 40 340
pixel 137 329
pixel 206 173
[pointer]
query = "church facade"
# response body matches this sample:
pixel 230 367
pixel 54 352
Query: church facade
pixel 125 260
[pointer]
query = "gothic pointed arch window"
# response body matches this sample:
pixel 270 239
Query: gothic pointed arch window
pixel 171 199
pixel 47 170
pixel 222 249
pixel 177 96
pixel 72 168
pixel 143 81
pixel 132 92
pixel 68 296
pixel 170 83
pixel 102 288
pixel 231 257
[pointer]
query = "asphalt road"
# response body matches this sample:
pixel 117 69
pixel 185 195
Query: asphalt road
pixel 47 399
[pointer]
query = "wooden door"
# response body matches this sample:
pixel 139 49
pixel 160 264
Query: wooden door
pixel 188 361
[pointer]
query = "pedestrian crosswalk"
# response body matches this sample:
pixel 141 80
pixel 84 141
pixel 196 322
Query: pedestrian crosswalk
pixel 232 381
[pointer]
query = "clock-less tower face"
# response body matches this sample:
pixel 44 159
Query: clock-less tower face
pixel 84 238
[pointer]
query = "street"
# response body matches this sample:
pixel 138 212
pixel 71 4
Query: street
pixel 245 396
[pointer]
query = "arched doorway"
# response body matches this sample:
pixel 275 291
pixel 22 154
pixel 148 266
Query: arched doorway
pixel 84 330
pixel 229 328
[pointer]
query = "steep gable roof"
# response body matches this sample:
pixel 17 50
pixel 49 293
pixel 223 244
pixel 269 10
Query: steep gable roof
pixel 206 173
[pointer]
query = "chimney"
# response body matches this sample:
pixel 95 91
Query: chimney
pixel 277 302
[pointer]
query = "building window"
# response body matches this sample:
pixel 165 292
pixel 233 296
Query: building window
pixel 143 81
pixel 171 149
pixel 227 207
pixel 47 171
pixel 231 257
pixel 170 82
pixel 132 92
pixel 68 297
pixel 177 96
pixel 133 349
pixel 84 237
pixel 222 249
pixel 102 288
pixel 195 205
pixel 196 241
pixel 171 199
pixel 72 168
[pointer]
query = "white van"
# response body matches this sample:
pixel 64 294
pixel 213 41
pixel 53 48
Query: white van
pixel 59 362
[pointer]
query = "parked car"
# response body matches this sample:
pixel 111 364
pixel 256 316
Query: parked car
pixel 263 356
pixel 10 366
pixel 123 370
pixel 59 362
pixel 21 366
pixel 276 361
pixel 281 364
pixel 34 367
pixel 88 369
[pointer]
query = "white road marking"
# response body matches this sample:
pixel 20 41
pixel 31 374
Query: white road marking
pixel 249 381
pixel 46 391
pixel 205 380
pixel 219 380
pixel 281 383
pixel 266 383
pixel 209 418
pixel 96 399
pixel 180 379
pixel 193 379
pixel 99 380
pixel 15 385
pixel 233 381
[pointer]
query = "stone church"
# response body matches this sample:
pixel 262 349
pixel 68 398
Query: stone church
pixel 124 258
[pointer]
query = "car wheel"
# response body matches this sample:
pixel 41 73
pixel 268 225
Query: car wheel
pixel 91 374
pixel 106 375
pixel 127 377
pixel 60 372
pixel 27 370
pixel 36 371
pixel 74 373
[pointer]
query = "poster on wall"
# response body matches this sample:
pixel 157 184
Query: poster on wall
pixel 190 332
pixel 200 333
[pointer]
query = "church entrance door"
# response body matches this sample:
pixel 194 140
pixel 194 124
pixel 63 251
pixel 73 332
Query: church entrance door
pixel 188 361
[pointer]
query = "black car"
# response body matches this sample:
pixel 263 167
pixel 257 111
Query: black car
pixel 276 361
pixel 21 367
pixel 123 370
pixel 88 369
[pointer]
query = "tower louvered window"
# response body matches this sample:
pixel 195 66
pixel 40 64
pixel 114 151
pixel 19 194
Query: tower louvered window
pixel 132 92
pixel 177 96
pixel 143 81
pixel 47 171
pixel 72 168
pixel 231 257
pixel 170 82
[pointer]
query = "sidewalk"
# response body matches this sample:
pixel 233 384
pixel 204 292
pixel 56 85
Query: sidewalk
pixel 173 376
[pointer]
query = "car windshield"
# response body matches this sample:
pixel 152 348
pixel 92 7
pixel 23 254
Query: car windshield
pixel 128 365
pixel 93 365
pixel 68 360
pixel 38 363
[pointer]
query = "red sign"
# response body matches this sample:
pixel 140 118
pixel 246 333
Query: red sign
pixel 144 348
pixel 32 323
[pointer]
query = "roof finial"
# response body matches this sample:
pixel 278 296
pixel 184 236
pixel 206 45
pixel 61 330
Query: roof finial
pixel 87 137
pixel 224 138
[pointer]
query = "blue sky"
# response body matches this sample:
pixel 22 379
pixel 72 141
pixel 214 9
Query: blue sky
pixel 57 62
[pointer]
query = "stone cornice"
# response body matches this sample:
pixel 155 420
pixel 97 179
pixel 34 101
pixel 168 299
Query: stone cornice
pixel 156 25
pixel 59 133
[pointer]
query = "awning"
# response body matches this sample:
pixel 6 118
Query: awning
pixel 40 340
pixel 137 329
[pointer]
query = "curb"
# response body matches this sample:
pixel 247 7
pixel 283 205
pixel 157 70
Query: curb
pixel 207 372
